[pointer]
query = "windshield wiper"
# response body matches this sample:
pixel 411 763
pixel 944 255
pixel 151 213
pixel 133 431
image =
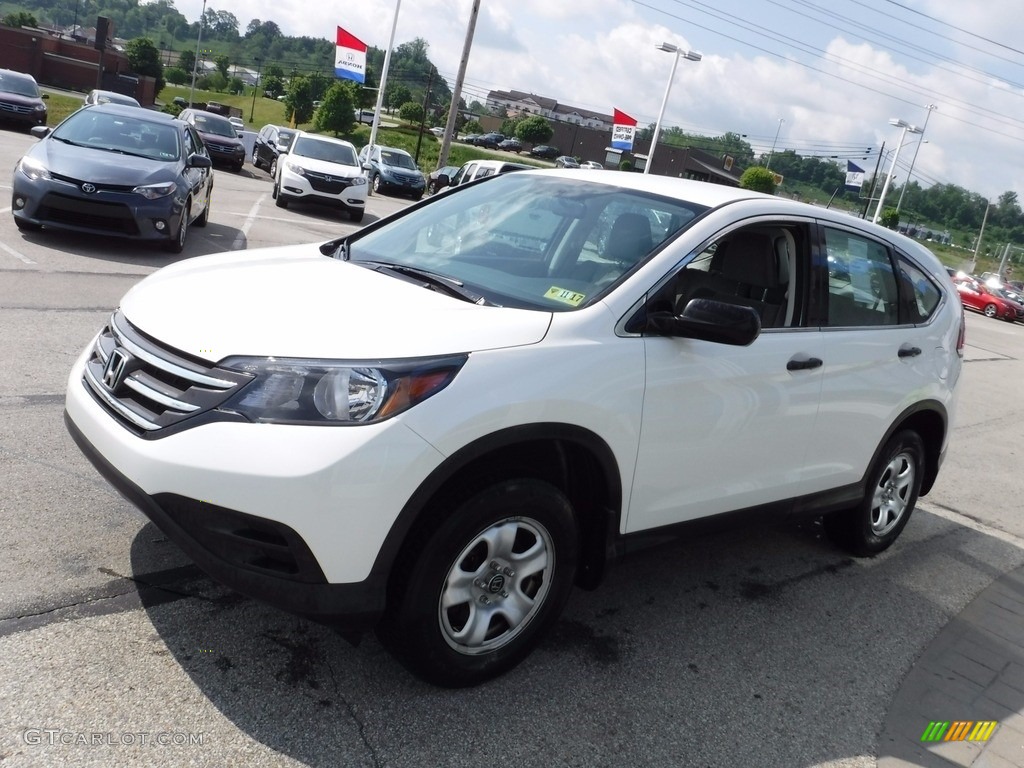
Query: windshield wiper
pixel 429 279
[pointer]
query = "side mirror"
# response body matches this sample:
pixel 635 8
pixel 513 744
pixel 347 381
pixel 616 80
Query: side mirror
pixel 44 96
pixel 708 320
pixel 442 180
pixel 199 161
pixel 367 167
pixel 40 131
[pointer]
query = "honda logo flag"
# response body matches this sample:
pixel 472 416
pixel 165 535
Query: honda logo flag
pixel 854 177
pixel 350 57
pixel 622 131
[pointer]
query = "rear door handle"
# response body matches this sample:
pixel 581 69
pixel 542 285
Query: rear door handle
pixel 803 364
pixel 908 351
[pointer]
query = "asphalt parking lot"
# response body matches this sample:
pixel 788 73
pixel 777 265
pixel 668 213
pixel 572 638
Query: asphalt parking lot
pixel 752 648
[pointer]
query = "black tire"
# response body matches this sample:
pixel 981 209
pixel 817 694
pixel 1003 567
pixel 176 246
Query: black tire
pixel 375 185
pixel 256 161
pixel 356 216
pixel 505 558
pixel 273 169
pixel 177 243
pixel 893 486
pixel 26 226
pixel 280 199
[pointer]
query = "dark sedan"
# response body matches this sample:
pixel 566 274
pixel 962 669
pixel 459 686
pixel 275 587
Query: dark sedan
pixel 545 151
pixel 219 136
pixel 115 170
pixel 20 99
pixel 271 142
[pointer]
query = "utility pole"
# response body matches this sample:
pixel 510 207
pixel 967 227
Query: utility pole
pixel 195 64
pixel 453 112
pixel 874 181
pixel 977 245
pixel 423 117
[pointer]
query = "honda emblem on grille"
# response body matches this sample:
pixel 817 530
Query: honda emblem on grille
pixel 116 369
pixel 329 179
pixel 88 188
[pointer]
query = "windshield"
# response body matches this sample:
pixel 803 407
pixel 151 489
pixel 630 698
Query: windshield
pixel 328 151
pixel 22 86
pixel 397 159
pixel 218 126
pixel 284 139
pixel 529 239
pixel 116 133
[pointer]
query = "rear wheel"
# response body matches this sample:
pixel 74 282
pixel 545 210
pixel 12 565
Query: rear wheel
pixel 376 183
pixel 273 168
pixel 893 486
pixel 485 586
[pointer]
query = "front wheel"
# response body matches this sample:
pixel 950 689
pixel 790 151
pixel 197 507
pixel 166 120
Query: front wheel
pixel 376 184
pixel 893 486
pixel 355 216
pixel 177 243
pixel 990 310
pixel 485 585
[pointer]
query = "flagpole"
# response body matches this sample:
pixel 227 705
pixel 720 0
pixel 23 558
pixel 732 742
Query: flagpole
pixel 383 80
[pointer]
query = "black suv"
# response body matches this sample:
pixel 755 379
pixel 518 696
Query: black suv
pixel 219 136
pixel 271 142
pixel 490 140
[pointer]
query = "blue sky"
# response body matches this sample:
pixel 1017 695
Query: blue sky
pixel 834 71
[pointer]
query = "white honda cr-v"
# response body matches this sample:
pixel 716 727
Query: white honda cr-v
pixel 439 424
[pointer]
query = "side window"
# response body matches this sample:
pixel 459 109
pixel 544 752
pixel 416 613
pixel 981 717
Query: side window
pixel 861 282
pixel 459 177
pixel 919 296
pixel 762 267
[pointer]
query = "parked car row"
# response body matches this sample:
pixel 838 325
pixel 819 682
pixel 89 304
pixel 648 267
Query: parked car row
pixel 990 298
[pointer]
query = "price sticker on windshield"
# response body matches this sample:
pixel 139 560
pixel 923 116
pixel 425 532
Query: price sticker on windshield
pixel 565 296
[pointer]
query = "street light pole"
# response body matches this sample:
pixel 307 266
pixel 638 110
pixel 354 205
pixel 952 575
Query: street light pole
pixel 892 166
pixel 917 149
pixel 195 64
pixel 768 164
pixel 679 52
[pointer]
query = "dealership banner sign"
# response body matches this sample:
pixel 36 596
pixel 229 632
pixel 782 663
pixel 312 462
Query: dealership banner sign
pixel 623 128
pixel 350 57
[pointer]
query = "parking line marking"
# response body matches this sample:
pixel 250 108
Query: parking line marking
pixel 243 234
pixel 15 254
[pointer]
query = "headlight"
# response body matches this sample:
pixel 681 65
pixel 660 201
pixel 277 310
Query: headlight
pixel 156 191
pixel 358 181
pixel 39 107
pixel 33 169
pixel 303 391
pixel 296 168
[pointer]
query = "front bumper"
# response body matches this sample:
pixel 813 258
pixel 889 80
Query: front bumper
pixel 336 190
pixel 62 205
pixel 294 516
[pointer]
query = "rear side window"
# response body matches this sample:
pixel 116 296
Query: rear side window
pixel 862 288
pixel 919 296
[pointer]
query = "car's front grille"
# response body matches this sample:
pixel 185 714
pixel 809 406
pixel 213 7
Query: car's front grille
pixel 20 109
pixel 148 387
pixel 330 185
pixel 97 186
pixel 89 214
pixel 221 149
pixel 406 179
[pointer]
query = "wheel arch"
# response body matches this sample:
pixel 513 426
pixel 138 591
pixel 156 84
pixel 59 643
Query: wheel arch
pixel 573 459
pixel 930 420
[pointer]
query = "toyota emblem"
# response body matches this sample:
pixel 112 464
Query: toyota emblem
pixel 88 188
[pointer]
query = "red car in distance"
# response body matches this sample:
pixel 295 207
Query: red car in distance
pixel 980 297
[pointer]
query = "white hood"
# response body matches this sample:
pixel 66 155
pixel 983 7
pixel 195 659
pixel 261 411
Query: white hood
pixel 295 302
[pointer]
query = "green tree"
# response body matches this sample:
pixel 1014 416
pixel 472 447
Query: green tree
pixel 20 19
pixel 397 95
pixel 177 76
pixel 223 64
pixel 337 110
pixel 473 126
pixel 272 86
pixel 215 81
pixel 890 218
pixel 299 100
pixel 758 179
pixel 509 125
pixel 187 61
pixel 144 58
pixel 534 130
pixel 411 112
pixel 236 86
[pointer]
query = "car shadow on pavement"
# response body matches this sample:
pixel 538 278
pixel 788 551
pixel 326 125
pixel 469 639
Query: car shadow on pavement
pixel 763 647
pixel 200 241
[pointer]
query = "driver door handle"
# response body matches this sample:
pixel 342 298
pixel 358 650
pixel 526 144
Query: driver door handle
pixel 803 363
pixel 908 351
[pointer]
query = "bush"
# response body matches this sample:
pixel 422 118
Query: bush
pixel 411 112
pixel 890 218
pixel 758 179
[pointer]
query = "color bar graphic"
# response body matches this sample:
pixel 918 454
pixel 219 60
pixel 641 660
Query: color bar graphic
pixel 959 730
